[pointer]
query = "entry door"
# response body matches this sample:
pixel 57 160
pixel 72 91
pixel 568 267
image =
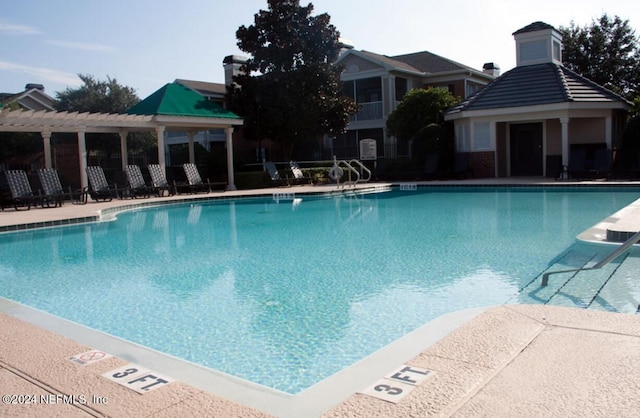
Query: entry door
pixel 526 149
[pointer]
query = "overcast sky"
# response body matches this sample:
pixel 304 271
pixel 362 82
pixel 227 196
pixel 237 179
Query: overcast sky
pixel 146 44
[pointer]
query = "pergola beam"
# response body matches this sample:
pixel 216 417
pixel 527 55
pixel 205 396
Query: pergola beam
pixel 47 122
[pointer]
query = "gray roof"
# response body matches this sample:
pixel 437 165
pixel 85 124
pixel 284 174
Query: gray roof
pixel 534 27
pixel 203 87
pixel 430 63
pixel 421 62
pixel 536 85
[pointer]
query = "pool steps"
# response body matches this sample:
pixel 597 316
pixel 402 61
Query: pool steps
pixel 613 255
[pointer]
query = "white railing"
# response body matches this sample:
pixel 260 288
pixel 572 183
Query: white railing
pixel 368 111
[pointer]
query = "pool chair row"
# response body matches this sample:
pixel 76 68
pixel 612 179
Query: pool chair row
pixel 19 194
pixel 136 186
pixel 284 180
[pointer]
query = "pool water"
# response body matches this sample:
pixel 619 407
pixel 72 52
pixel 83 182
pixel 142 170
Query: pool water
pixel 285 293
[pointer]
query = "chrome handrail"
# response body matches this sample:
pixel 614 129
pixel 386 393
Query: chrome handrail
pixel 612 256
pixel 362 168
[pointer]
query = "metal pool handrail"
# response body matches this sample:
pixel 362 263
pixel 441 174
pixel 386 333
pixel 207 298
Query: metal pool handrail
pixel 614 254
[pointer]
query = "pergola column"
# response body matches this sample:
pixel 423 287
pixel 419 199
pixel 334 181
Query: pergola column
pixel 608 131
pixel 82 155
pixel 46 139
pixel 123 148
pixel 160 142
pixel 192 151
pixel 231 185
pixel 564 122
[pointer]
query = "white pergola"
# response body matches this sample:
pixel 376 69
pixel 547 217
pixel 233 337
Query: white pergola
pixel 47 122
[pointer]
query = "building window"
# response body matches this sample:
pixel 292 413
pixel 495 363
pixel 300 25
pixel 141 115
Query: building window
pixel 530 51
pixel 401 88
pixel 367 92
pixel 482 136
pixel 463 137
pixel 557 51
pixel 472 88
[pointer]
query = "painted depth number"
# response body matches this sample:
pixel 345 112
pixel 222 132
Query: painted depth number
pixel 398 384
pixel 137 379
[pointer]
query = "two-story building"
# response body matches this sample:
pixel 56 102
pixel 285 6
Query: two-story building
pixel 379 82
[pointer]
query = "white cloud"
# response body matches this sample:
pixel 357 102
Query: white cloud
pixel 42 73
pixel 81 45
pixel 13 29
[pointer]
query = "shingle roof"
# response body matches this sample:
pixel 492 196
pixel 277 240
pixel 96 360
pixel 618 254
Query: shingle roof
pixel 177 100
pixel 533 27
pixel 203 87
pixel 430 63
pixel 421 62
pixel 536 85
pixel 390 61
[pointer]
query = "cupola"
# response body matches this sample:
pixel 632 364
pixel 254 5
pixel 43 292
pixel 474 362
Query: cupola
pixel 538 43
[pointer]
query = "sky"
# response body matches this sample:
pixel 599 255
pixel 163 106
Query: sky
pixel 146 44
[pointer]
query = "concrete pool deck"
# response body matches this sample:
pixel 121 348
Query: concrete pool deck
pixel 512 360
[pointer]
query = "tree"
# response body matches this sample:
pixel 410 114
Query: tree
pixel 418 109
pixel 605 52
pixel 289 91
pixel 419 118
pixel 97 96
pixel 104 97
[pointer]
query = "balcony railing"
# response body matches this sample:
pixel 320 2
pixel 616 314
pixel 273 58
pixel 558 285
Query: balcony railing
pixel 368 111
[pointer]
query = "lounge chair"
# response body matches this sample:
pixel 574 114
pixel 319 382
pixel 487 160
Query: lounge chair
pixel 21 192
pixel 99 189
pixel 159 180
pixel 275 176
pixel 298 175
pixel 137 186
pixel 53 193
pixel 195 181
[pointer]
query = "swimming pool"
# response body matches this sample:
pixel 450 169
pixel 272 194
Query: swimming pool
pixel 286 292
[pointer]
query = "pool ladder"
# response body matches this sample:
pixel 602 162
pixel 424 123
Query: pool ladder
pixel 612 256
pixel 350 169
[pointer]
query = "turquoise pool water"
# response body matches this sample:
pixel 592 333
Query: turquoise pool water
pixel 285 293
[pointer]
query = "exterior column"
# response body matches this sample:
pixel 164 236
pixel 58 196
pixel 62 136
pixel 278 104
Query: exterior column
pixel 565 148
pixel 46 139
pixel 231 185
pixel 82 155
pixel 608 131
pixel 192 152
pixel 123 148
pixel 160 142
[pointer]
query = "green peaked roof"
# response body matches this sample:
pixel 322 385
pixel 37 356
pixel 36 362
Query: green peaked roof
pixel 174 99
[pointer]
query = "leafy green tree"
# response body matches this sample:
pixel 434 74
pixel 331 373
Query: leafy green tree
pixel 97 96
pixel 104 97
pixel 419 118
pixel 289 90
pixel 418 109
pixel 606 51
pixel 635 110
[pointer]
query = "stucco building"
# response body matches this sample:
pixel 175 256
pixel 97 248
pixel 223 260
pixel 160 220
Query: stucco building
pixel 527 121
